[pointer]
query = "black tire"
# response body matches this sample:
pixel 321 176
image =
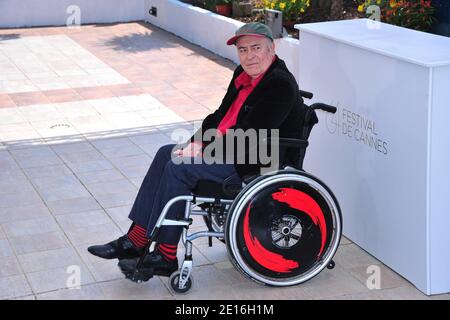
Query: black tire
pixel 174 283
pixel 275 242
pixel 331 265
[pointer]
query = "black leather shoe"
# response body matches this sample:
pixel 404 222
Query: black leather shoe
pixel 154 264
pixel 121 248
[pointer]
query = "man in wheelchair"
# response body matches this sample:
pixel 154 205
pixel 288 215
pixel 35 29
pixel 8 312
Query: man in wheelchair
pixel 262 94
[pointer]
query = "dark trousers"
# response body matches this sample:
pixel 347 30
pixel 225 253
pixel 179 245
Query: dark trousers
pixel 167 179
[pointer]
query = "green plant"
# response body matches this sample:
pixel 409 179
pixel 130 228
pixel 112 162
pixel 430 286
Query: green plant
pixel 413 14
pixel 291 9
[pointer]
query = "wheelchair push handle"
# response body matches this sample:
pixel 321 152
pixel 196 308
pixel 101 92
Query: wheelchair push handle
pixel 306 94
pixel 324 107
pixel 318 105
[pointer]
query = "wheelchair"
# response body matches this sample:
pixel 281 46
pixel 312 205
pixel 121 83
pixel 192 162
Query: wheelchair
pixel 280 229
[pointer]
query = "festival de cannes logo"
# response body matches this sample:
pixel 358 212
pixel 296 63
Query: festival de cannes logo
pixel 356 126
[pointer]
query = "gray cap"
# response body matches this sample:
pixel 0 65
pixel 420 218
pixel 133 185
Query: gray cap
pixel 252 29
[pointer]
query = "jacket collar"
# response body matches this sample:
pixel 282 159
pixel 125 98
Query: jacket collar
pixel 244 80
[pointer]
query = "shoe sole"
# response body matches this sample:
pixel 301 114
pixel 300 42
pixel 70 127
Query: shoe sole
pixel 114 257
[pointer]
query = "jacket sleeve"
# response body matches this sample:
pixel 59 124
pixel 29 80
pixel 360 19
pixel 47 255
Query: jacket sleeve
pixel 274 103
pixel 213 119
pixel 272 107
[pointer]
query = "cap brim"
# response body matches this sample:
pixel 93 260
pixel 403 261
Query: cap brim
pixel 234 39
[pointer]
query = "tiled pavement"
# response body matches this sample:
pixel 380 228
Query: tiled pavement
pixel 82 112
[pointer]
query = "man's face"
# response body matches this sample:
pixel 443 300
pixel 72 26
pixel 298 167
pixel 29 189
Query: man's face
pixel 255 54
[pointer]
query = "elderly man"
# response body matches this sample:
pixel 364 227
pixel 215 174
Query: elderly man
pixel 262 94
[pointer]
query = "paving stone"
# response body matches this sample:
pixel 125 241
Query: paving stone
pixel 30 227
pixel 9 266
pixel 14 286
pixel 82 219
pixel 51 259
pixel 28 212
pixel 59 278
pixel 73 205
pixel 39 242
pixel 97 233
pixel 124 289
pixel 86 292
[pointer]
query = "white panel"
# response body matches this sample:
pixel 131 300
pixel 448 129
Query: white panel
pixel 401 43
pixel 289 50
pixel 440 177
pixel 382 189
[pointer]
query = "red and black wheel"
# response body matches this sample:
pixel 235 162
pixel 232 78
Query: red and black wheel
pixel 283 229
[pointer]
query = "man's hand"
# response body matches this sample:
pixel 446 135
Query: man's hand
pixel 193 149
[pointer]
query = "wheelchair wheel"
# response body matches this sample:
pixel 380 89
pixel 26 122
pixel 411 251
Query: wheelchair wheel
pixel 174 281
pixel 283 229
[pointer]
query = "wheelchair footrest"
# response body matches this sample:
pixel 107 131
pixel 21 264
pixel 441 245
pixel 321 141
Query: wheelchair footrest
pixel 139 276
pixel 147 274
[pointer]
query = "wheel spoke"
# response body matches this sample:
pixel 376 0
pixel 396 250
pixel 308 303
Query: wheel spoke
pixel 295 236
pixel 274 227
pixel 280 236
pixel 293 224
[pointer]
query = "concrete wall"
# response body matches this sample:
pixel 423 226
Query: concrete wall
pixel 210 30
pixel 30 13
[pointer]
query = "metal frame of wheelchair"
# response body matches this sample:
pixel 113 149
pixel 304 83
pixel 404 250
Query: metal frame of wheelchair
pixel 286 232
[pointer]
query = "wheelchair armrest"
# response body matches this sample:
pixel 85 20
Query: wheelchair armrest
pixel 293 143
pixel 231 186
pixel 249 178
pixel 287 142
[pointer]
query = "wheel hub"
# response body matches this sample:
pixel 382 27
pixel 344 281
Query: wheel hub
pixel 286 231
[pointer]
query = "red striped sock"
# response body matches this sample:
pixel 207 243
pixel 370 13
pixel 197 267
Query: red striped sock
pixel 138 236
pixel 169 251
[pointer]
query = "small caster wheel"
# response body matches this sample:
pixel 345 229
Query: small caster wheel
pixel 174 281
pixel 331 265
